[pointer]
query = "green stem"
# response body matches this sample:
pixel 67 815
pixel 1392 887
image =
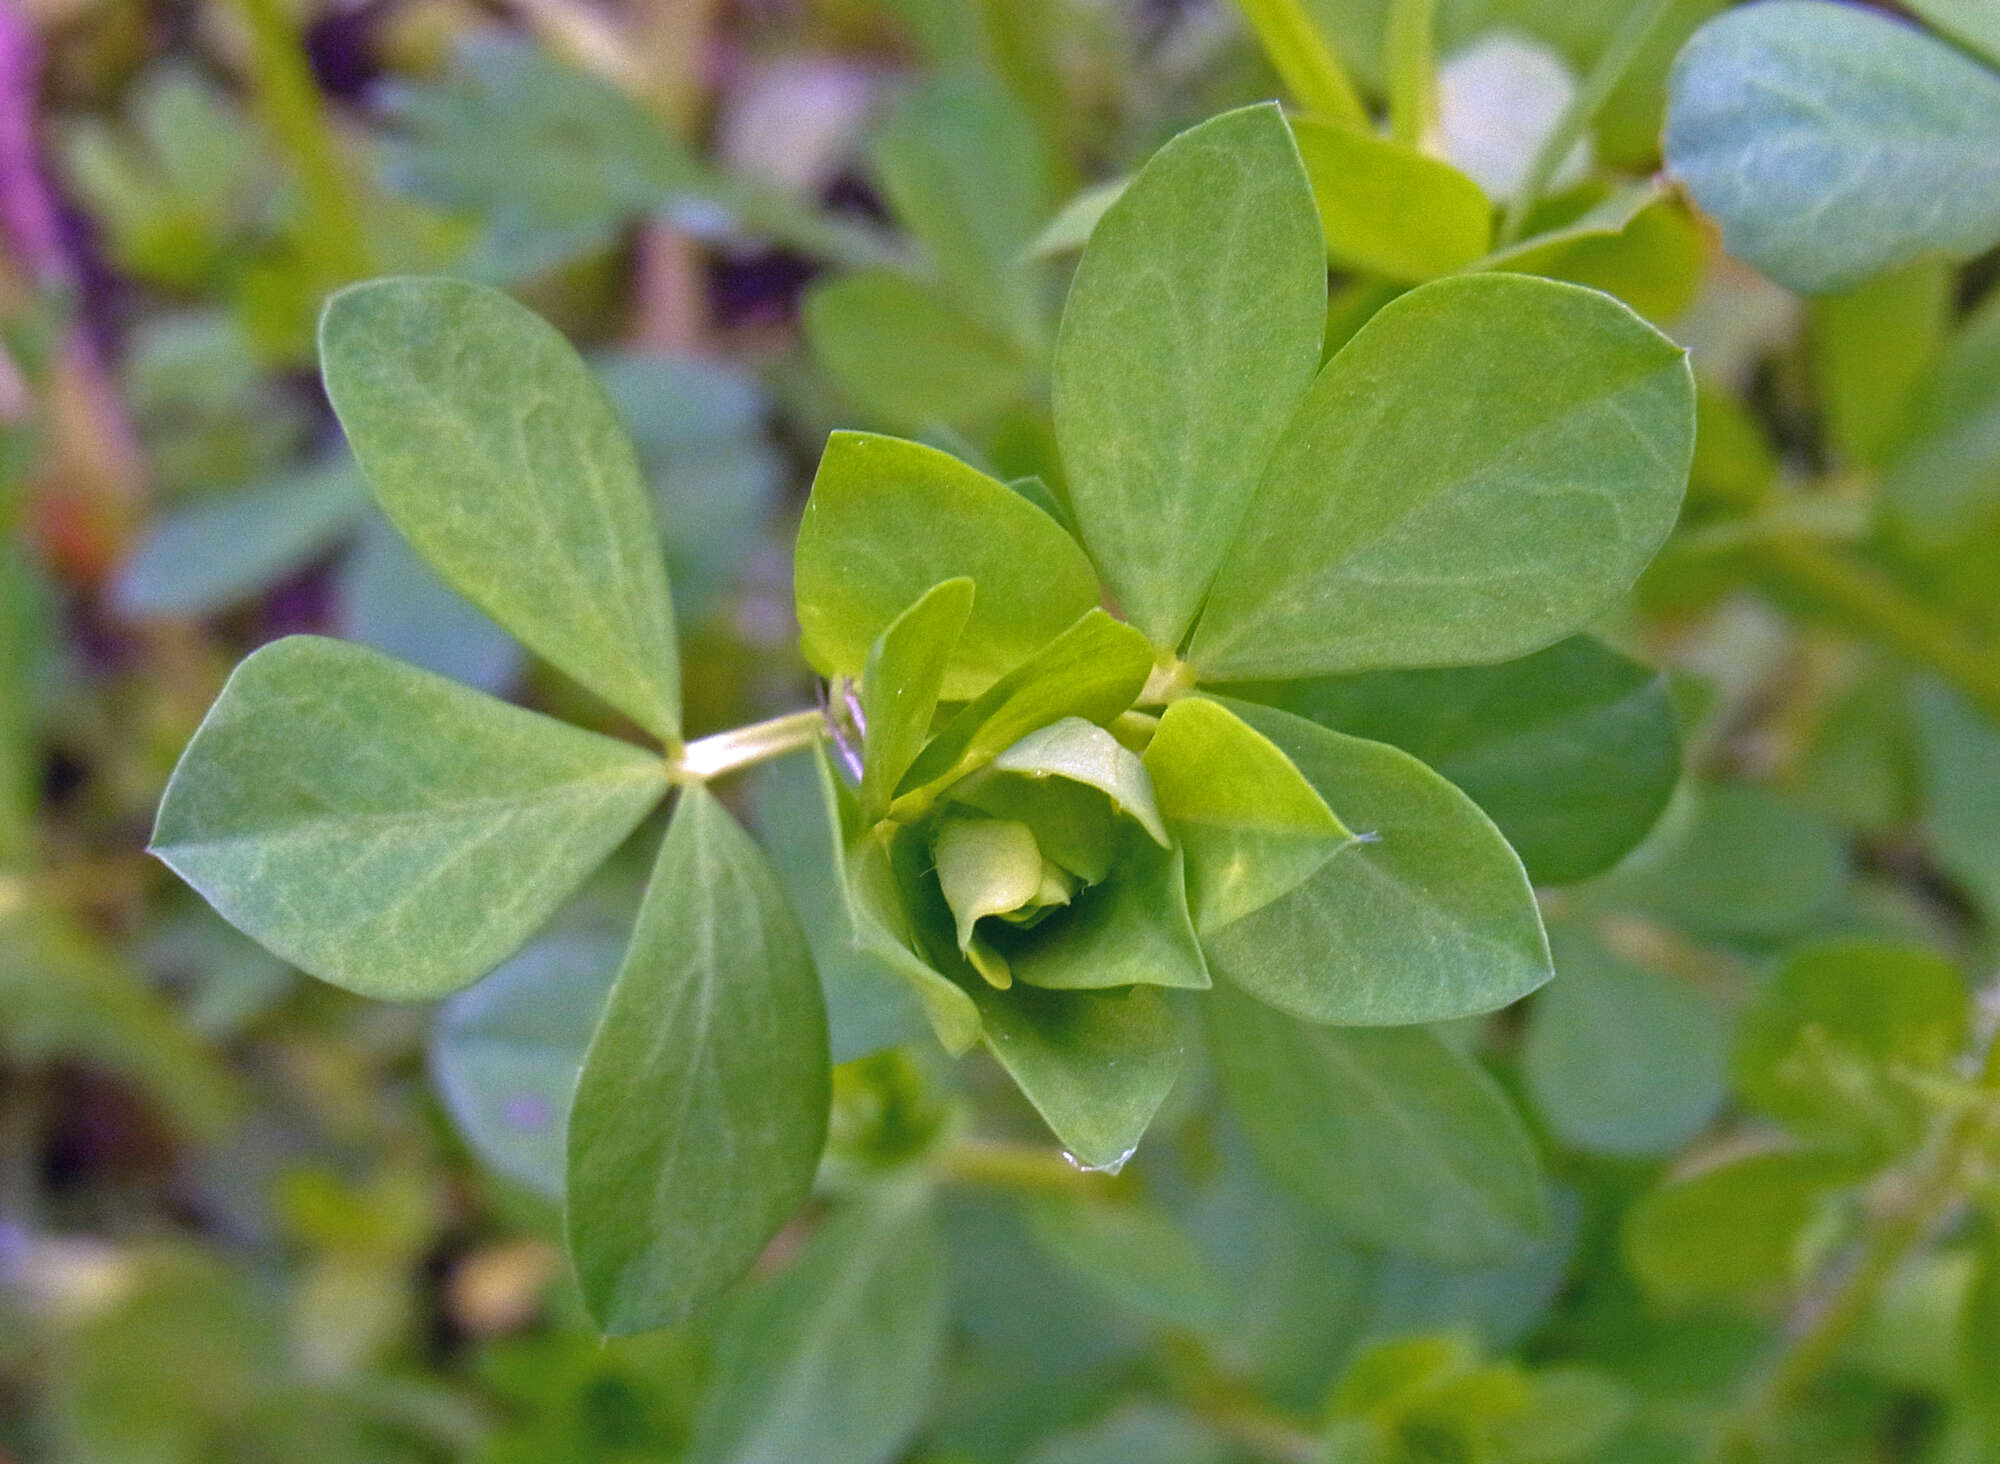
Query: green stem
pixel 1875 603
pixel 1016 1167
pixel 1304 60
pixel 333 230
pixel 1927 1194
pixel 741 747
pixel 1412 70
pixel 1619 53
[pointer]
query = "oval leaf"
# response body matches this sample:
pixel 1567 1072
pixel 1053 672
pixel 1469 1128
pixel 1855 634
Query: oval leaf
pixel 702 1107
pixel 1192 328
pixel 833 1360
pixel 494 450
pixel 1389 209
pixel 1486 466
pixel 1428 915
pixel 1832 143
pixel 385 829
pixel 1571 751
pixel 1398 1138
pixel 889 519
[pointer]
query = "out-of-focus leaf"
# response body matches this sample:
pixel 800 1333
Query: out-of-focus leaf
pixel 505 1053
pixel 702 1106
pixel 1831 1041
pixel 223 549
pixel 385 829
pixel 889 519
pixel 1736 862
pixel 1076 220
pixel 1873 346
pixel 1426 916
pixel 1972 22
pixel 1403 1141
pixel 494 451
pixel 1387 208
pixel 907 354
pixel 1192 327
pixel 1136 1255
pixel 1132 1434
pixel 1832 142
pixel 1940 472
pixel 963 170
pixel 1571 751
pixel 1620 1059
pixel 70 998
pixel 833 1359
pixel 1734 1231
pixel 1486 465
pixel 391 600
pixel 1959 757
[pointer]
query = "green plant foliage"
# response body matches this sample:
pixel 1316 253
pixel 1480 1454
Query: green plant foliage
pixel 1191 330
pixel 1832 143
pixel 1253 828
pixel 1940 466
pixel 834 1359
pixel 905 355
pixel 1481 470
pixel 915 517
pixel 1572 751
pixel 1429 909
pixel 1400 1139
pixel 707 1075
pixel 491 448
pixel 1841 1037
pixel 1736 1231
pixel 387 830
pixel 505 1053
pixel 1960 762
pixel 1390 209
pixel 1620 1059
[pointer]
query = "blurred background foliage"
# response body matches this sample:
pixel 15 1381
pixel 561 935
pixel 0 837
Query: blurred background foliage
pixel 246 1217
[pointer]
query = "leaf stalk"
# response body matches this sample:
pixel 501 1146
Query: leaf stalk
pixel 742 747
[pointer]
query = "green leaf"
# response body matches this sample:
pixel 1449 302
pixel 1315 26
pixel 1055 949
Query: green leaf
pixel 495 452
pixel 390 600
pixel 991 866
pixel 1251 826
pixel 70 998
pixel 1833 1039
pixel 1078 751
pixel 1973 23
pixel 908 355
pixel 1959 758
pixel 1390 209
pixel 1734 861
pixel 889 519
pixel 963 170
pixel 1303 57
pixel 505 1053
pixel 1621 1059
pixel 225 548
pixel 1873 347
pixel 835 1358
pixel 878 924
pixel 1426 917
pixel 1832 143
pixel 1395 1135
pixel 702 1106
pixel 1485 467
pixel 900 685
pixel 1940 475
pixel 387 830
pixel 1734 1231
pixel 1192 328
pixel 1137 1256
pixel 1077 220
pixel 1978 1341
pixel 1096 1065
pixel 1133 929
pixel 1571 751
pixel 1094 670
